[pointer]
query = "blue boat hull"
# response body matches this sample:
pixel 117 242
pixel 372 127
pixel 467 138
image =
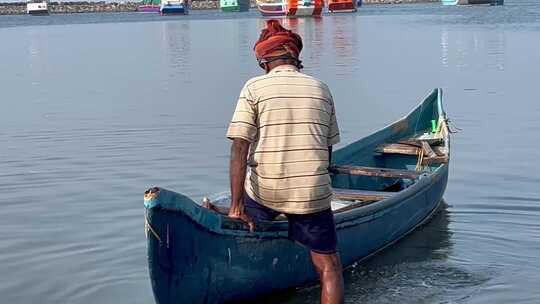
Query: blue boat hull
pixel 196 255
pixel 173 10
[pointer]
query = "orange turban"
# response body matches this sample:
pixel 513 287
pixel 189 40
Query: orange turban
pixel 276 41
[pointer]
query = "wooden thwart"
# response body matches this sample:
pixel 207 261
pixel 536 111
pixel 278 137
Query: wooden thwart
pixel 398 149
pixel 360 195
pixel 416 141
pixel 432 155
pixel 378 172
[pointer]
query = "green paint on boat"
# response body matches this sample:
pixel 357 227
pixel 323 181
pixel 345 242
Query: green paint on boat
pixel 234 5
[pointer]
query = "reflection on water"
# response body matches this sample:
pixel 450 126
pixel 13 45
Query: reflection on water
pixel 415 269
pixel 176 40
pixel 312 32
pixel 466 49
pixel 430 242
pixel 496 47
pixel 345 44
pixel 36 65
pixel 244 43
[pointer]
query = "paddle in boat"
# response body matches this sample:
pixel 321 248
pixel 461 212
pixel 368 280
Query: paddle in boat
pixel 385 185
pixel 173 7
pixel 149 6
pixel 234 5
pixel 290 7
pixel 471 2
pixel 342 6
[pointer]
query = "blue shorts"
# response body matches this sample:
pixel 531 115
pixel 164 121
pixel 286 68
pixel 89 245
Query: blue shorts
pixel 316 231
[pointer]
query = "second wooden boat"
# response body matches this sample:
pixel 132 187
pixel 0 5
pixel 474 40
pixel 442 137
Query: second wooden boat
pixel 342 6
pixel 290 7
pixel 385 185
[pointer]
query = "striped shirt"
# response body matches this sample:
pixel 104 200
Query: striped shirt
pixel 289 119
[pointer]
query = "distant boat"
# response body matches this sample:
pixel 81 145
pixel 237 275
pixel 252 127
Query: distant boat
pixel 290 7
pixel 472 2
pixel 385 186
pixel 342 6
pixel 234 5
pixel 37 8
pixel 149 6
pixel 173 7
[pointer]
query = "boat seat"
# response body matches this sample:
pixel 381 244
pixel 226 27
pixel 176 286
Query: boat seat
pixel 415 148
pixel 360 195
pixel 377 172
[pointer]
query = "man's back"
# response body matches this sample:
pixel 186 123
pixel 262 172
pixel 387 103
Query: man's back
pixel 289 118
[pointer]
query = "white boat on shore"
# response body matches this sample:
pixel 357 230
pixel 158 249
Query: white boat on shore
pixel 269 8
pixel 37 8
pixel 472 2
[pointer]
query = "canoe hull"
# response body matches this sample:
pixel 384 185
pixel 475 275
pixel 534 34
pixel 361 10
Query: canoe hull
pixel 201 266
pixel 196 255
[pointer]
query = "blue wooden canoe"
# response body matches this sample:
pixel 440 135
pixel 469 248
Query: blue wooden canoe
pixel 388 184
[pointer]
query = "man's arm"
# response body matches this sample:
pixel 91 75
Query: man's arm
pixel 237 175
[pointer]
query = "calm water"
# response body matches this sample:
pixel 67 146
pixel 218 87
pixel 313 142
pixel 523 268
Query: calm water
pixel 95 108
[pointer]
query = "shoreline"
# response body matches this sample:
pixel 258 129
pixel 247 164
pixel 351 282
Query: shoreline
pixel 19 8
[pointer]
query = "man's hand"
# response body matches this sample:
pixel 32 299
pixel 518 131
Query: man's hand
pixel 237 175
pixel 237 211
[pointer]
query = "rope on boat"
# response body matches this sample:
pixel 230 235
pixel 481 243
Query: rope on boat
pixel 419 166
pixel 148 227
pixel 452 128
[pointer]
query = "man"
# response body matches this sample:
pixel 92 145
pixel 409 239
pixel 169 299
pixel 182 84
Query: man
pixel 283 128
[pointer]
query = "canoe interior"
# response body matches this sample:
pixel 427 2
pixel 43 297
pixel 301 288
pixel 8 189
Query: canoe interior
pixel 363 152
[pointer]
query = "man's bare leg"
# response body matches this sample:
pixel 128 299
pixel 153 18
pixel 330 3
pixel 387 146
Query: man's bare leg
pixel 330 272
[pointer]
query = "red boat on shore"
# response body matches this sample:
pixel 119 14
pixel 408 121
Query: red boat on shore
pixel 342 6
